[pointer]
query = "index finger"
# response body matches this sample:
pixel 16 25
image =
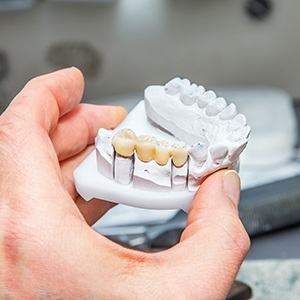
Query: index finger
pixel 46 98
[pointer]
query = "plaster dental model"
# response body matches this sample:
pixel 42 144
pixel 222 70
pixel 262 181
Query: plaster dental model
pixel 159 155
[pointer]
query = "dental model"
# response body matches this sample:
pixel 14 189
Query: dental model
pixel 170 142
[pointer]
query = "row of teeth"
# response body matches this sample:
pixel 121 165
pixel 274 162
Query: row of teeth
pixel 136 152
pixel 189 94
pixel 210 138
pixel 148 148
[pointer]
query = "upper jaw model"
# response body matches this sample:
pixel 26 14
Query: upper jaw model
pixel 169 143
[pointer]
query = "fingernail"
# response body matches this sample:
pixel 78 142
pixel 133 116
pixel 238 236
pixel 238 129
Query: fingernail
pixel 232 185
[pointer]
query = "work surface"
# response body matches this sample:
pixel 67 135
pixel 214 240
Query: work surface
pixel 272 267
pixel 272 279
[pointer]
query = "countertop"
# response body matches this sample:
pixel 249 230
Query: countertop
pixel 272 267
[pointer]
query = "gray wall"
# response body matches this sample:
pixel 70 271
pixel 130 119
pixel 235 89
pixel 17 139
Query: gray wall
pixel 141 42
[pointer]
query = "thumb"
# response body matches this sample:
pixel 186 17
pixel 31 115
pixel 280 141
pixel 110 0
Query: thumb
pixel 215 210
pixel 218 194
pixel 214 242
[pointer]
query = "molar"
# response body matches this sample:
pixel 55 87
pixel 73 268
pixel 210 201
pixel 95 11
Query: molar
pixel 179 153
pixel 145 147
pixel 124 142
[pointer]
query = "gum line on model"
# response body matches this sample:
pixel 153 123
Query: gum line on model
pixel 168 144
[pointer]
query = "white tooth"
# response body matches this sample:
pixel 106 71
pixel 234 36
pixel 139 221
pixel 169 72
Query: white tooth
pixel 218 153
pixel 205 98
pixel 123 169
pixel 189 96
pixel 179 154
pixel 238 122
pixel 185 83
pixel 235 149
pixel 211 95
pixel 240 134
pixel 124 142
pixel 162 152
pixel 176 85
pixel 179 177
pixel 202 102
pixel 216 106
pixel 173 87
pixel 228 113
pixel 198 152
pixel 145 147
pixel 200 90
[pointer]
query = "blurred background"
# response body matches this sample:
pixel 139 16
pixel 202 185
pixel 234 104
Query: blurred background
pixel 247 50
pixel 124 45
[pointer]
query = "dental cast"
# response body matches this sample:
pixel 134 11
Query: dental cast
pixel 204 135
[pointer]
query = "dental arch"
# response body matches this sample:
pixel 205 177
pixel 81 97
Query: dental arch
pixel 204 135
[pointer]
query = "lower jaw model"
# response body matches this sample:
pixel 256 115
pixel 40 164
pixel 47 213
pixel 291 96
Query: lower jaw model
pixel 168 144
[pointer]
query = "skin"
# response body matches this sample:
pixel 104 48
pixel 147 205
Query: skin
pixel 47 247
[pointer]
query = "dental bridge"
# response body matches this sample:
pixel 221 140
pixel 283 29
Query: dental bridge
pixel 168 144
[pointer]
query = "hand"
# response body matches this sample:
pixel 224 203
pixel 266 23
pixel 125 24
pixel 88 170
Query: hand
pixel 47 248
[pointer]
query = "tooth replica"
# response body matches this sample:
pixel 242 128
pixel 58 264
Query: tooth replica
pixel 168 145
pixel 162 152
pixel 124 142
pixel 179 154
pixel 145 147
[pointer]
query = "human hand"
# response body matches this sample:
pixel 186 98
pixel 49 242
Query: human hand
pixel 47 248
